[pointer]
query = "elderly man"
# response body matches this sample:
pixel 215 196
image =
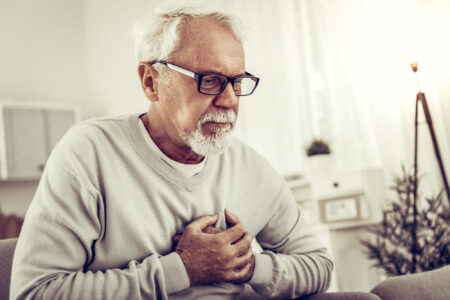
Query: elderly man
pixel 165 204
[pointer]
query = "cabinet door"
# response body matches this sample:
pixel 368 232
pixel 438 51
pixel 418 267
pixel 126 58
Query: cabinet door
pixel 354 271
pixel 57 124
pixel 25 142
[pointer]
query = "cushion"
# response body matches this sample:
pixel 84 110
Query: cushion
pixel 427 285
pixel 7 248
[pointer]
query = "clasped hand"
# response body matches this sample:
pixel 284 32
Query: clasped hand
pixel 213 255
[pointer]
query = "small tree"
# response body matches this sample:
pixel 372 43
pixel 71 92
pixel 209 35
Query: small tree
pixel 411 239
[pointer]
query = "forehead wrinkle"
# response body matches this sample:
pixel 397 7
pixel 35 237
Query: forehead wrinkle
pixel 228 69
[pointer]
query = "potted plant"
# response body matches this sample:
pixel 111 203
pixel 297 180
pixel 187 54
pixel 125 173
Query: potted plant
pixel 412 237
pixel 318 147
pixel 320 157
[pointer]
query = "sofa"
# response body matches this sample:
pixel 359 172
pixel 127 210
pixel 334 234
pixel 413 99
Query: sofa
pixel 431 285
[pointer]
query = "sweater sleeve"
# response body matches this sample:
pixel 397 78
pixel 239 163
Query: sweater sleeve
pixel 57 244
pixel 294 263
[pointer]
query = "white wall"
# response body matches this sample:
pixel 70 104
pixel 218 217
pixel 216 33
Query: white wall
pixel 113 76
pixel 443 87
pixel 42 58
pixel 43 51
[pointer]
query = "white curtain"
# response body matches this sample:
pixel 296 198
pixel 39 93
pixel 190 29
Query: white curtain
pixel 362 84
pixel 275 119
pixel 339 70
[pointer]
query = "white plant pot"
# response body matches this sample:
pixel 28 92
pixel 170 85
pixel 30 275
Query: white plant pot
pixel 322 165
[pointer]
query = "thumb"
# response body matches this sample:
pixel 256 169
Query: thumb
pixel 231 218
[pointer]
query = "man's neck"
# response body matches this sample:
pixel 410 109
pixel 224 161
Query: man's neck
pixel 180 153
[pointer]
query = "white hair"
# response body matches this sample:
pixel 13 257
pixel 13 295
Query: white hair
pixel 157 38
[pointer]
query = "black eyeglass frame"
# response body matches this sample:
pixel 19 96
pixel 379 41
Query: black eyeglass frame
pixel 199 76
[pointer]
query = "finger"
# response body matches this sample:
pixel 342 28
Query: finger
pixel 243 245
pixel 203 222
pixel 212 230
pixel 242 261
pixel 240 274
pixel 232 234
pixel 231 218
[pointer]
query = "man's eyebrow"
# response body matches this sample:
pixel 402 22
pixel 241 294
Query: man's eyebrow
pixel 213 70
pixel 220 73
pixel 241 74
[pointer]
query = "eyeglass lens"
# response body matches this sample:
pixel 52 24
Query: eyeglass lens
pixel 213 84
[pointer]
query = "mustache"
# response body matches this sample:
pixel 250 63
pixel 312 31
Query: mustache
pixel 228 116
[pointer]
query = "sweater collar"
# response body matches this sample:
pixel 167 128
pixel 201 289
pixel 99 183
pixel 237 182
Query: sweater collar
pixel 155 162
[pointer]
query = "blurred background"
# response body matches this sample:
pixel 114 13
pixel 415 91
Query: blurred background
pixel 337 70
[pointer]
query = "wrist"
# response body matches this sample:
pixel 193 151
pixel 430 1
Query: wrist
pixel 175 274
pixel 186 260
pixel 264 269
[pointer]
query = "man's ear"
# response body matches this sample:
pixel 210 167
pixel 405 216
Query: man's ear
pixel 147 75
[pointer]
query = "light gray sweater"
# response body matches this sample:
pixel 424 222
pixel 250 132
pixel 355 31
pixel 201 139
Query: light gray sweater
pixel 106 209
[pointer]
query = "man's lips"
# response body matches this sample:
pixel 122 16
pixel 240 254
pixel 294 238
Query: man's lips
pixel 220 124
pixel 216 126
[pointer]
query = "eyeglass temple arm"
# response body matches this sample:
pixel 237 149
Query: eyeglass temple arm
pixel 175 68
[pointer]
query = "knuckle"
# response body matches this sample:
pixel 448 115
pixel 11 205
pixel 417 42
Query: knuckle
pixel 248 243
pixel 245 247
pixel 219 242
pixel 248 237
pixel 189 228
pixel 229 255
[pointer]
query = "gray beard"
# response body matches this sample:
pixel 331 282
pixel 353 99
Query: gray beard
pixel 216 143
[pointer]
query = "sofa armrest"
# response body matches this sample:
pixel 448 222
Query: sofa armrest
pixel 427 285
pixel 249 294
pixel 343 296
pixel 7 248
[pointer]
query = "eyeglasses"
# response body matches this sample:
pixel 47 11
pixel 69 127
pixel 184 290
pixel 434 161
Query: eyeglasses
pixel 214 84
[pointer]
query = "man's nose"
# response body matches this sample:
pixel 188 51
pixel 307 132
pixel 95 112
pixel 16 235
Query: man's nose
pixel 227 98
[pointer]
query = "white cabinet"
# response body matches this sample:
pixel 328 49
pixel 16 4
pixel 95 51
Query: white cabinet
pixel 341 200
pixel 28 133
pixel 353 271
pixel 350 199
pixel 340 208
